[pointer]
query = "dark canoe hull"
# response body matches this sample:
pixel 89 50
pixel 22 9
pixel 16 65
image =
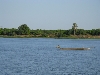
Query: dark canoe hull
pixel 74 48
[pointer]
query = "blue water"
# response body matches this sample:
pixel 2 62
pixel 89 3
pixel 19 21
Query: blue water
pixel 39 56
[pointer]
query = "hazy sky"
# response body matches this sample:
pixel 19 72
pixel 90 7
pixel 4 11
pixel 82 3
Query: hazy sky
pixel 50 14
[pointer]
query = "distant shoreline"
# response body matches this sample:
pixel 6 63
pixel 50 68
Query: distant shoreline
pixel 68 37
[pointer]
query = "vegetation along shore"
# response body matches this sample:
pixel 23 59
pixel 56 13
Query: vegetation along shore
pixel 24 31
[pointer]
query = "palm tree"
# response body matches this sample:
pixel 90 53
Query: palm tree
pixel 74 27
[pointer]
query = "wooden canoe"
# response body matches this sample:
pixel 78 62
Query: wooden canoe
pixel 74 48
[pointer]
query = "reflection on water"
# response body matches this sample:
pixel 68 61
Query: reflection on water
pixel 38 56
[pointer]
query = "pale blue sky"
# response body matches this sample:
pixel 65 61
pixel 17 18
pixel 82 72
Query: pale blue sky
pixel 50 14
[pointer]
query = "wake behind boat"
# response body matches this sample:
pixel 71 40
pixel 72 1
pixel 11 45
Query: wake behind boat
pixel 72 48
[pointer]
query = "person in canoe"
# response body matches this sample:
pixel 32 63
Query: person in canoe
pixel 58 46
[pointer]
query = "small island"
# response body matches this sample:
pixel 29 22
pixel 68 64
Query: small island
pixel 23 31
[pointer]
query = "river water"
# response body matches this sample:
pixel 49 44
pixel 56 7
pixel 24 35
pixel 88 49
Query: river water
pixel 39 56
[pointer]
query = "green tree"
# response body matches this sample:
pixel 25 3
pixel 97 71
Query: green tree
pixel 24 29
pixel 0 31
pixel 12 32
pixel 97 31
pixel 88 32
pixel 70 31
pixel 5 31
pixel 74 27
pixel 80 32
pixel 93 32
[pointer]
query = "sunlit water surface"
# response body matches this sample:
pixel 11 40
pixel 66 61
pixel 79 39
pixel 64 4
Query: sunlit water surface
pixel 39 56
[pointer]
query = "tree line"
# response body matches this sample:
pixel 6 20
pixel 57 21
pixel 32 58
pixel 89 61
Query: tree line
pixel 25 30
